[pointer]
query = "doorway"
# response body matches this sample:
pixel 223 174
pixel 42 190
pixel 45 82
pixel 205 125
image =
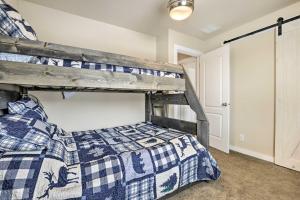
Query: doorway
pixel 210 77
pixel 215 95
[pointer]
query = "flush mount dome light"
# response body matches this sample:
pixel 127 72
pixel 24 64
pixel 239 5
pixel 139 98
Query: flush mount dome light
pixel 180 9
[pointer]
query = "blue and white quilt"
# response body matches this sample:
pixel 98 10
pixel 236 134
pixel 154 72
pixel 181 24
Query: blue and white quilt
pixel 140 161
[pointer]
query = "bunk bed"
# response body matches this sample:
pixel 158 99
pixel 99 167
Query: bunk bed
pixel 175 151
pixel 147 160
pixel 21 77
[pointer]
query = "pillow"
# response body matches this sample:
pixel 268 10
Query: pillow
pixel 21 133
pixel 12 23
pixel 8 143
pixel 28 108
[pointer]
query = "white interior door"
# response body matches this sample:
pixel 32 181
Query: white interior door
pixel 287 137
pixel 215 95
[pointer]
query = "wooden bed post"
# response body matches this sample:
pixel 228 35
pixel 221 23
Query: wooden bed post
pixel 203 133
pixel 148 106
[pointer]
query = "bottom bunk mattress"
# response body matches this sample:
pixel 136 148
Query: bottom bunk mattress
pixel 140 161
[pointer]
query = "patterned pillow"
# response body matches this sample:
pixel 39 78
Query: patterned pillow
pixel 12 23
pixel 21 133
pixel 8 143
pixel 28 108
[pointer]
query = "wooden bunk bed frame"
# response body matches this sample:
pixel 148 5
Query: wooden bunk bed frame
pixel 17 78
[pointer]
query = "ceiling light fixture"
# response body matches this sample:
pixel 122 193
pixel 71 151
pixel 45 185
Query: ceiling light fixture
pixel 180 9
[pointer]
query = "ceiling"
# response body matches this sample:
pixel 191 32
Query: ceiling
pixel 151 16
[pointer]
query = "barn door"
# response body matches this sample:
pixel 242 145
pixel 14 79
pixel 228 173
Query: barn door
pixel 287 136
pixel 215 95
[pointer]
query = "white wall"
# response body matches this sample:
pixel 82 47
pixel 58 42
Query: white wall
pixel 86 111
pixel 167 40
pixel 253 83
pixel 252 93
pixel 287 12
pixel 162 45
pixel 177 38
pixel 89 110
pixel 60 27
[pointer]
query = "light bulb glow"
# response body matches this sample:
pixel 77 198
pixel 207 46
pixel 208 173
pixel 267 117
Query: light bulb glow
pixel 181 13
pixel 180 9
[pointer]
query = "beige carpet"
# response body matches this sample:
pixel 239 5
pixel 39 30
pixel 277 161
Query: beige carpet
pixel 245 178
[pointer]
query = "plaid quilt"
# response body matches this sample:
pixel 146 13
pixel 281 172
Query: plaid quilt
pixel 19 133
pixel 87 65
pixel 140 161
pixel 27 107
pixel 12 23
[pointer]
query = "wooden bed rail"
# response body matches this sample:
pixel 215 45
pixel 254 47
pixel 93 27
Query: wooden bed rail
pixel 44 76
pixel 189 97
pixel 37 76
pixel 39 48
pixel 185 126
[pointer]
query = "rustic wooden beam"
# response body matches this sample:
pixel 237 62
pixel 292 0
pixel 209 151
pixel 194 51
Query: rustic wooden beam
pixel 193 100
pixel 52 76
pixel 39 48
pixel 177 99
pixel 203 133
pixel 184 126
pixel 78 89
pixel 202 121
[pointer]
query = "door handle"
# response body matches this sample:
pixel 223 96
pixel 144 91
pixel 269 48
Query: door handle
pixel 225 104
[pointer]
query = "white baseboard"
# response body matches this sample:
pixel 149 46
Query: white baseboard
pixel 252 153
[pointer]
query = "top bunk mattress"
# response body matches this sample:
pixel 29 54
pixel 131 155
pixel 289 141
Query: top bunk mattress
pixel 140 161
pixel 86 65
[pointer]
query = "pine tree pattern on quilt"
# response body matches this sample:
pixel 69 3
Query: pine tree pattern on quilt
pixel 140 161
